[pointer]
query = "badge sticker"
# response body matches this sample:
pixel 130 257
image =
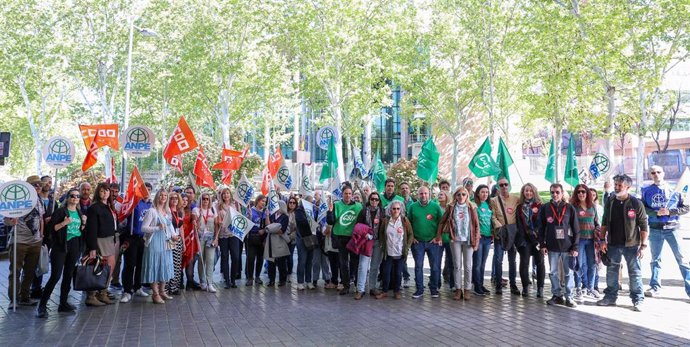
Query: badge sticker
pixel 461 215
pixel 510 210
pixel 429 217
pixel 631 214
pixel 549 219
pixel 535 210
pixel 483 209
pixel 400 230
pixel 376 221
pixel 581 213
pixel 560 233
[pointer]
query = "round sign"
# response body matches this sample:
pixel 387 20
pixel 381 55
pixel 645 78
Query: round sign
pixel 602 162
pixel 138 141
pixel 323 136
pixel 58 152
pixel 17 199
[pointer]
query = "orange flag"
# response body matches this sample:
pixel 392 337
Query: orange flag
pixel 181 141
pixel 274 162
pixel 176 162
pixel 113 177
pixel 266 182
pixel 107 135
pixel 91 158
pixel 204 178
pixel 136 190
pixel 227 177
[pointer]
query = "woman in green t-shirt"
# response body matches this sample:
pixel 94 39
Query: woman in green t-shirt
pixel 342 215
pixel 484 212
pixel 67 239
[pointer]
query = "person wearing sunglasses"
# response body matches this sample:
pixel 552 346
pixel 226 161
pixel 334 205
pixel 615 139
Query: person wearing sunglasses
pixel 527 222
pixel 395 237
pixel 67 242
pixel 664 206
pixel 372 215
pixel 505 207
pixel 588 220
pixel 559 236
pixel 484 213
pixel 461 222
pixel 447 273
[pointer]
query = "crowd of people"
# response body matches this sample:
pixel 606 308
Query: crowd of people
pixel 172 242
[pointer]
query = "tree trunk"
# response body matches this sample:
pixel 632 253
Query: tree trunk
pixel 558 142
pixel 267 139
pixel 453 169
pixel 224 117
pixel 338 114
pixel 35 134
pixel 611 119
pixel 366 144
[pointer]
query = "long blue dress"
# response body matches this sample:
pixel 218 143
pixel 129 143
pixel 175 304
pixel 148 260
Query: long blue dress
pixel 157 264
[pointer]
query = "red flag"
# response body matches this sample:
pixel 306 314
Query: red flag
pixel 176 162
pixel 227 177
pixel 136 190
pixel 181 141
pixel 112 178
pixel 107 135
pixel 229 159
pixel 274 162
pixel 91 158
pixel 266 181
pixel 204 178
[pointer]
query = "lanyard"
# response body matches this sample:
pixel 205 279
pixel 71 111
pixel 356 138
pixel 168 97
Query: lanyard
pixel 559 219
pixel 208 214
pixel 176 216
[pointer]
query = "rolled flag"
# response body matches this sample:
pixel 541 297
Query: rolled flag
pixel 503 160
pixel 112 177
pixel 91 155
pixel 359 170
pixel 238 225
pixel 305 187
pixel 283 177
pixel 266 182
pixel 244 192
pixel 329 170
pixel 550 173
pixel 571 175
pixel 136 190
pixel 379 174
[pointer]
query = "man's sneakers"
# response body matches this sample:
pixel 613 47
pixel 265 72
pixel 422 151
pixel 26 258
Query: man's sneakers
pixel 435 294
pixel 570 303
pixel 606 301
pixel 637 306
pixel 556 300
pixel 652 292
pixel 126 297
pixel 578 294
pixel 406 283
pixel 418 294
pixel 140 292
pixel 593 293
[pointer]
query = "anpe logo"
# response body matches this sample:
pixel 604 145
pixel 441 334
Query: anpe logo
pixel 348 218
pixel 58 152
pixel 138 141
pixel 17 199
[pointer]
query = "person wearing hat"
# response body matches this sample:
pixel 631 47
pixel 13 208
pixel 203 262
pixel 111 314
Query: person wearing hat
pixel 29 237
pixel 559 238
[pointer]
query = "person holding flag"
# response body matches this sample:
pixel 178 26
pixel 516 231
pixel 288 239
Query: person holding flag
pixel 229 246
pixel 134 250
pixel 664 206
pixel 255 241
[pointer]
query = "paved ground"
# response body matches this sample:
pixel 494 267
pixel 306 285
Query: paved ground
pixel 270 316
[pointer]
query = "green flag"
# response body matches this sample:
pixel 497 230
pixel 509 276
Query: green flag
pixel 550 174
pixel 379 175
pixel 427 162
pixel 571 172
pixel 503 160
pixel 482 164
pixel 330 167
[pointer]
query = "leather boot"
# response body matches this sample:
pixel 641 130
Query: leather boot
pixel 466 294
pixel 457 295
pixel 103 297
pixel 91 299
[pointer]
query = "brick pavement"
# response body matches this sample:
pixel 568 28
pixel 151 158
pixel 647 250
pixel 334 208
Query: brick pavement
pixel 283 316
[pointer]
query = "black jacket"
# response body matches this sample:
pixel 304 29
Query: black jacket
pixel 100 223
pixel 548 223
pixel 59 236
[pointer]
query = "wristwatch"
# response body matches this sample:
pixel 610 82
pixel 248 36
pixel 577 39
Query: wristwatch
pixel 643 245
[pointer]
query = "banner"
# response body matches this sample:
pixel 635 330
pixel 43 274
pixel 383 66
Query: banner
pixel 136 190
pixel 274 162
pixel 244 192
pixel 272 200
pixel 108 135
pixel 138 141
pixel 230 159
pixel 181 141
pixel 17 199
pixel 58 152
pixel 238 225
pixel 91 155
pixel 284 178
pixel 601 163
pixel 482 164
pixel 266 182
pixel 204 178
pixel 305 187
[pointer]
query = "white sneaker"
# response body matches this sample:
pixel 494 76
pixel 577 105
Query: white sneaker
pixel 300 286
pixel 406 284
pixel 126 297
pixel 310 286
pixel 204 286
pixel 211 288
pixel 141 293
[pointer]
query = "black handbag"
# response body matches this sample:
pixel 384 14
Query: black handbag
pixel 310 242
pixel 507 233
pixel 91 275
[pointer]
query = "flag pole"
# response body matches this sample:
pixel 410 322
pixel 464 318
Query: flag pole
pixel 14 263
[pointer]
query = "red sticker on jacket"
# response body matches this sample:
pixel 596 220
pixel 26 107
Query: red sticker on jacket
pixel 510 210
pixel 461 215
pixel 582 213
pixel 631 214
pixel 483 209
pixel 535 210
pixel 400 230
pixel 549 219
pixel 429 217
pixel 376 221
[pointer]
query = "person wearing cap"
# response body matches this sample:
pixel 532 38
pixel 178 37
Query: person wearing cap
pixel 29 237
pixel 624 231
pixel 664 206
pixel 559 238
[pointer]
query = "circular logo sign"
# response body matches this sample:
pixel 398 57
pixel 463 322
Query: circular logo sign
pixel 323 136
pixel 482 161
pixel 239 223
pixel 602 162
pixel 348 218
pixel 58 152
pixel 306 184
pixel 138 141
pixel 283 175
pixel 658 200
pixel 17 199
pixel 510 210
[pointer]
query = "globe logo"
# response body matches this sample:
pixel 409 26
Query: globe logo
pixel 239 223
pixel 59 146
pixel 137 135
pixel 482 161
pixel 306 184
pixel 244 191
pixel 602 162
pixel 283 174
pixel 15 192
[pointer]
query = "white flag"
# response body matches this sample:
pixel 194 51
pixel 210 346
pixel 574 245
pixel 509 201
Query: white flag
pixel 323 210
pixel 238 225
pixel 305 187
pixel 283 177
pixel 309 211
pixel 273 199
pixel 244 192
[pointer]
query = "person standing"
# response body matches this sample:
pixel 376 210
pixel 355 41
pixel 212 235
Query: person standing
pixel 342 215
pixel 227 242
pixel 100 237
pixel 45 196
pixel 85 200
pixel 559 236
pixel 389 194
pixel 405 193
pixel 177 209
pixel 395 235
pixel 484 213
pixel 29 237
pixel 448 274
pixel 255 241
pixel 624 230
pixel 528 228
pixel 504 206
pixel 157 264
pixel 204 220
pixel 191 245
pixel 67 242
pixel 424 216
pixel 134 251
pixel 372 214
pixel 663 207
pixel 589 225
pixel 276 250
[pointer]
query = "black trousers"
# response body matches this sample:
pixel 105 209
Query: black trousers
pixel 131 276
pixel 255 261
pixel 62 265
pixel 335 266
pixel 347 260
pixel 230 251
pixel 281 263
pixel 527 252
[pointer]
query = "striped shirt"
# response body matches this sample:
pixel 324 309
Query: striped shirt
pixel 586 219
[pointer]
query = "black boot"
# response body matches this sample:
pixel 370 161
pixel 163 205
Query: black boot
pixel 42 310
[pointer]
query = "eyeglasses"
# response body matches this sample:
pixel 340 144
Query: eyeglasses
pixel 655 172
pixel 395 208
pixel 37 185
pixel 503 184
pixel 202 199
pixel 555 192
pixel 73 196
pixel 374 199
pixel 581 192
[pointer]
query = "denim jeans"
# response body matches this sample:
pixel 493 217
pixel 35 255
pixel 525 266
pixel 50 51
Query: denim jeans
pixel 304 262
pixel 616 254
pixel 556 289
pixel 498 264
pixel 448 267
pixel 392 274
pixel 376 257
pixel 320 265
pixel 291 258
pixel 656 243
pixel 479 261
pixel 363 272
pixel 432 251
pixel 588 267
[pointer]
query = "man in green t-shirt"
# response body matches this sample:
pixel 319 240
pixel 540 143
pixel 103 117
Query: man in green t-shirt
pixel 424 216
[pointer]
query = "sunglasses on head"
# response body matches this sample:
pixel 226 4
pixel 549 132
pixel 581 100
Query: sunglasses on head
pixel 503 184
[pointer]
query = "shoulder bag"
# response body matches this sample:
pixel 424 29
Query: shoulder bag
pixel 91 275
pixel 507 232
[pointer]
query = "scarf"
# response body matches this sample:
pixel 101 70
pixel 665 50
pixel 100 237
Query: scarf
pixel 527 211
pixel 377 218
